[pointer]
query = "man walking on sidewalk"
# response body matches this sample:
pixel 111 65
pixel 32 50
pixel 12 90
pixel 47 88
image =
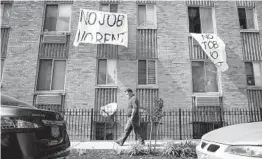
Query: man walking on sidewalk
pixel 133 119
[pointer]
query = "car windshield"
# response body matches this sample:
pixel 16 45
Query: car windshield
pixel 10 101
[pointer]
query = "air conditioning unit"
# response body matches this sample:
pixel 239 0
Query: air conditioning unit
pixel 49 99
pixel 207 101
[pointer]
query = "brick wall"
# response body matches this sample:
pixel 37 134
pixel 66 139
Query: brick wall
pixel 21 62
pixel 174 68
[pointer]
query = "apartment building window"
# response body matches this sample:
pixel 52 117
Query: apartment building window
pixel 200 20
pixel 109 7
pixel 107 72
pixel 146 72
pixel 204 77
pixel 246 18
pixel 2 67
pixel 253 73
pixel 57 17
pixel 51 74
pixel 5 12
pixel 146 15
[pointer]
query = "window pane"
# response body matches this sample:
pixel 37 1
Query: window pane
pixel 2 67
pixel 142 72
pixel 198 76
pixel 150 14
pixel 58 80
pixel 44 75
pixel 206 20
pixel 211 77
pixel 51 18
pixel 258 73
pixel 151 72
pixel 113 8
pixel 250 19
pixel 249 73
pixel 111 71
pixel 141 14
pixel 6 12
pixel 194 20
pixel 63 21
pixel 101 79
pixel 104 7
pixel 242 18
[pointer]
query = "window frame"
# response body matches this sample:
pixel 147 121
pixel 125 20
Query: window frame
pixel 254 74
pixel 156 71
pixel 218 78
pixel 44 18
pixel 213 18
pixel 146 26
pixel 51 80
pixel 109 5
pixel 256 27
pixel 97 73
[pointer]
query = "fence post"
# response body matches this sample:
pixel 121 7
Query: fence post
pixel 180 125
pixel 91 129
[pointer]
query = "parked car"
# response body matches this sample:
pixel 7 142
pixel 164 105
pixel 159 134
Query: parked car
pixel 28 132
pixel 240 141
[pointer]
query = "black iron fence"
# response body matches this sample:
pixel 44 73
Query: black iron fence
pixel 178 124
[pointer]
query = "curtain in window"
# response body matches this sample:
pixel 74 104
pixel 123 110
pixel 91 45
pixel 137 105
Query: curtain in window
pixel 249 73
pixel 151 72
pixel 44 75
pixel 141 14
pixel 111 71
pixel 258 73
pixel 206 20
pixel 198 76
pixel 6 11
pixel 58 80
pixel 64 14
pixel 211 77
pixel 51 18
pixel 142 72
pixel 250 19
pixel 101 72
pixel 2 67
pixel 104 7
pixel 150 14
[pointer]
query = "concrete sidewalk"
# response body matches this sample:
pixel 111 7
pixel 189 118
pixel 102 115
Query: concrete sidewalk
pixel 112 145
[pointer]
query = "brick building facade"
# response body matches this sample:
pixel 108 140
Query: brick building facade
pixel 41 66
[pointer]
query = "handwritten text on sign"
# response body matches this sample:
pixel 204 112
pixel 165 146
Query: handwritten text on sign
pixel 101 28
pixel 214 47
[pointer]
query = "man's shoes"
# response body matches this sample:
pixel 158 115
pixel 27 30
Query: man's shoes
pixel 119 143
pixel 142 143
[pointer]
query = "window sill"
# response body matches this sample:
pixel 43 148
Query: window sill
pixel 249 31
pixel 209 94
pixel 254 87
pixel 5 26
pixel 55 33
pixel 50 93
pixel 147 86
pixel 105 86
pixel 146 27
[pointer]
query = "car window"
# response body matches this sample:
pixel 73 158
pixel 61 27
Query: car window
pixel 10 101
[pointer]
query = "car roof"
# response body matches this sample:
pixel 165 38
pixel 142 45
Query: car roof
pixel 11 101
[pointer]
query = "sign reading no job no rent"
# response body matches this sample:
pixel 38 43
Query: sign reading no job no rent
pixel 102 28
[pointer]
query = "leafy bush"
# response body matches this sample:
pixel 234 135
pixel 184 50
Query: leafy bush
pixel 135 149
pixel 183 149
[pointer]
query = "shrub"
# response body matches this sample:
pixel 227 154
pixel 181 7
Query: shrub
pixel 183 149
pixel 135 149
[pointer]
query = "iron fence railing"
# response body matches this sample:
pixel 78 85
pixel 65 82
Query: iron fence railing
pixel 87 124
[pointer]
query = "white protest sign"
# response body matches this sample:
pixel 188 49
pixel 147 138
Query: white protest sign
pixel 102 28
pixel 214 47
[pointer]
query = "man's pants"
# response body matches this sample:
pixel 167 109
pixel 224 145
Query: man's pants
pixel 130 125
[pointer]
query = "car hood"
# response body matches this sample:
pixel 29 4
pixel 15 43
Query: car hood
pixel 240 134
